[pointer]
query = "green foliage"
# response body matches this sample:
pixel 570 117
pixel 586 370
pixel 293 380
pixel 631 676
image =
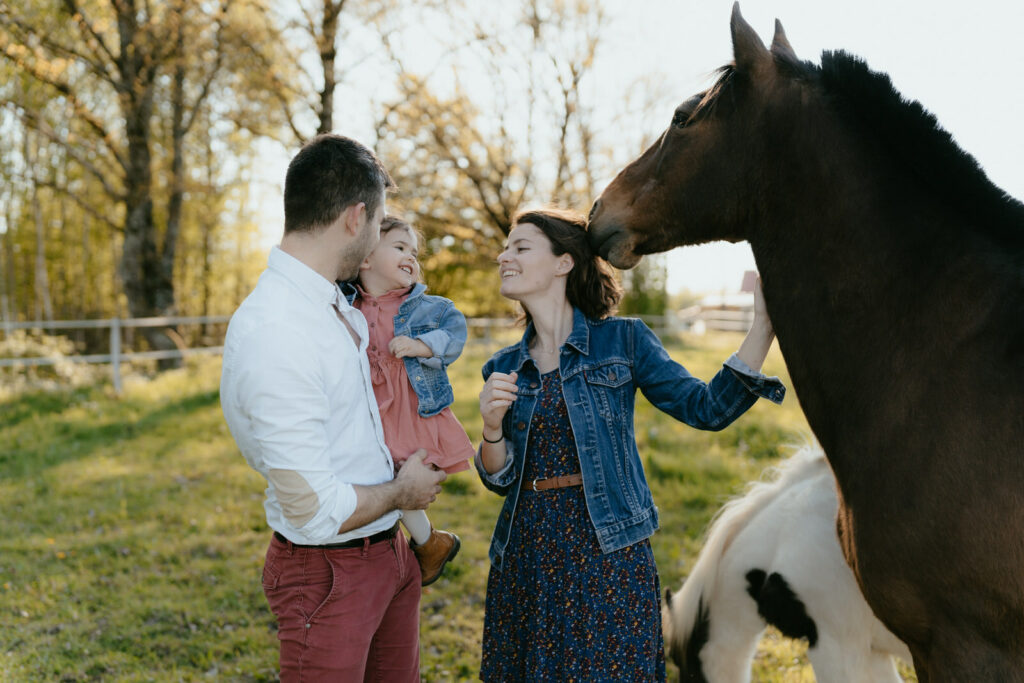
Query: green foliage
pixel 134 531
pixel 644 288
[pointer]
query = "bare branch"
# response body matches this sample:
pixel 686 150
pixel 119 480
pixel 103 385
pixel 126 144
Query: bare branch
pixel 89 209
pixel 214 70
pixel 78 15
pixel 36 123
pixel 80 109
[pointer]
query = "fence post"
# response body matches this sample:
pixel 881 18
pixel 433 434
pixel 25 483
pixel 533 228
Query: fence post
pixel 115 353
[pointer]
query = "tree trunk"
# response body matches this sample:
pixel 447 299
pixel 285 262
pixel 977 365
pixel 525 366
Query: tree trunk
pixel 328 53
pixel 44 305
pixel 149 292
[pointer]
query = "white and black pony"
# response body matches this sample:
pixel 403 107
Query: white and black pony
pixel 772 557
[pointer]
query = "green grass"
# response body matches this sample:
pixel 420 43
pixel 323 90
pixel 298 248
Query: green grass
pixel 134 534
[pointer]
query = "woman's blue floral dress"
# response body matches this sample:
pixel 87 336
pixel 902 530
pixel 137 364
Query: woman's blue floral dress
pixel 560 609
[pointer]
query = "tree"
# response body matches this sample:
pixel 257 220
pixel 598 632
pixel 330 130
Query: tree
pixel 468 147
pixel 110 64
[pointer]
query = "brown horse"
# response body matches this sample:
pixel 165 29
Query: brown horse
pixel 893 271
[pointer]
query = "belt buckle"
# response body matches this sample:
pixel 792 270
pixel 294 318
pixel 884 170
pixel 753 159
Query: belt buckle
pixel 535 485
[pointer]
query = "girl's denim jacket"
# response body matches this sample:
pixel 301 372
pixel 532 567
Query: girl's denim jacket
pixel 602 364
pixel 436 322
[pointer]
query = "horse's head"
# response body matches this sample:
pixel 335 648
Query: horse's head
pixel 692 184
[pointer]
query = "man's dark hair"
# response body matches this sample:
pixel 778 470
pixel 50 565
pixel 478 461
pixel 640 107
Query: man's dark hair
pixel 329 174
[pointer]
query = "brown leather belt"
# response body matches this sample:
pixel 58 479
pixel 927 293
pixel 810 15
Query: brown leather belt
pixel 553 483
pixel 354 543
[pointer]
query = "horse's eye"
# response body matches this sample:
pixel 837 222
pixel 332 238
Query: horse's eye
pixel 680 118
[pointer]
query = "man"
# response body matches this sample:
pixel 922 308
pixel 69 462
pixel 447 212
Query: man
pixel 296 394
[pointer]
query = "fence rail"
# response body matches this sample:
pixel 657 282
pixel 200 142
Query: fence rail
pixel 698 319
pixel 116 356
pixel 487 332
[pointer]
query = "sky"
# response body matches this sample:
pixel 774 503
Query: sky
pixel 961 61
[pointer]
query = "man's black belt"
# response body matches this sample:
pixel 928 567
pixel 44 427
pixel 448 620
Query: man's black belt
pixel 385 535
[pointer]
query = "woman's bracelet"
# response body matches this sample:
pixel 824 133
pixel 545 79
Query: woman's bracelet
pixel 498 440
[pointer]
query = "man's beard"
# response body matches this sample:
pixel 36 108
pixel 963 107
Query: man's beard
pixel 354 256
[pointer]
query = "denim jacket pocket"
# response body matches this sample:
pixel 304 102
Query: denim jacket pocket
pixel 609 375
pixel 610 386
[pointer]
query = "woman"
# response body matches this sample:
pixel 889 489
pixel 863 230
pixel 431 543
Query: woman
pixel 573 590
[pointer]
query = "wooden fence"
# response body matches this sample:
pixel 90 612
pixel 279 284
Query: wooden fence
pixel 116 355
pixel 489 333
pixel 699 319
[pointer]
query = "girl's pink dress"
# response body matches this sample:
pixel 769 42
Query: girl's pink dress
pixel 443 437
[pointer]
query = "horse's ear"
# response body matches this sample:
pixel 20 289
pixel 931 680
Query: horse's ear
pixel 749 52
pixel 781 48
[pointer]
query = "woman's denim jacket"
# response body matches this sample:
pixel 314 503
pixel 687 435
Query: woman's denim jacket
pixel 603 363
pixel 436 322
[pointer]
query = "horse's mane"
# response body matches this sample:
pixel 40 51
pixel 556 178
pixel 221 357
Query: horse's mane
pixel 729 521
pixel 915 138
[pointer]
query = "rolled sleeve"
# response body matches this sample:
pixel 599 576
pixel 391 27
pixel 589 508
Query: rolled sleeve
pixel 448 340
pixel 757 383
pixel 438 341
pixel 501 481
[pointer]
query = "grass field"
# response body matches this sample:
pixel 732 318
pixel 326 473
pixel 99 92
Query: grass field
pixel 134 534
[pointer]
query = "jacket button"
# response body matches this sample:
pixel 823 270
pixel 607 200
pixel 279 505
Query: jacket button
pixel 521 426
pixel 611 376
pixel 507 516
pixel 419 378
pixel 533 385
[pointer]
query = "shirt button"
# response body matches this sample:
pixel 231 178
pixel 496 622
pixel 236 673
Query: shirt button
pixel 521 426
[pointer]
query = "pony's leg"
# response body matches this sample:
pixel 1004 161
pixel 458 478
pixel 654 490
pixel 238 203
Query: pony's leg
pixel 727 656
pixel 850 661
pixel 735 631
pixel 882 668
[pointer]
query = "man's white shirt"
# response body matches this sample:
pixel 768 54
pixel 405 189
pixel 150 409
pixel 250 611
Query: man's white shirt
pixel 297 396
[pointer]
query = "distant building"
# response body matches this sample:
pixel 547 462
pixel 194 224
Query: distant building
pixel 725 311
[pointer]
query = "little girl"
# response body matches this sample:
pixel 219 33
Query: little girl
pixel 413 338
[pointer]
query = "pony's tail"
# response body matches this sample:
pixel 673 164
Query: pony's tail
pixel 688 617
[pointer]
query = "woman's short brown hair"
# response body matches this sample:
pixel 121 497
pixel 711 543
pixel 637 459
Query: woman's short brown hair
pixel 591 285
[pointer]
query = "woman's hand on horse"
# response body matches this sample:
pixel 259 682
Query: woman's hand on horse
pixel 760 311
pixel 498 394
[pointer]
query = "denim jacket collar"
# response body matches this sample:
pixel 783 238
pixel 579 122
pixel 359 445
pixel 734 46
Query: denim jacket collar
pixel 579 339
pixel 418 290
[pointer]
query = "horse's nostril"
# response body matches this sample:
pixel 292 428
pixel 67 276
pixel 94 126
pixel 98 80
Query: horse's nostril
pixel 593 210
